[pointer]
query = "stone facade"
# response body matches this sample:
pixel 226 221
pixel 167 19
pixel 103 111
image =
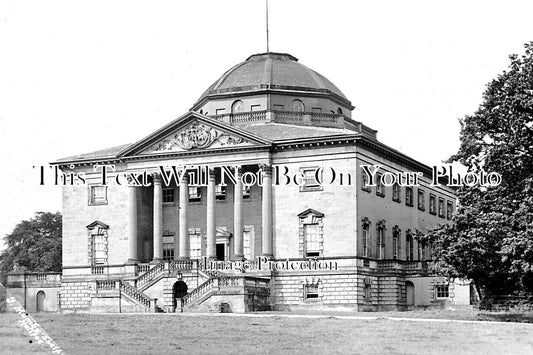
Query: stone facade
pixel 135 242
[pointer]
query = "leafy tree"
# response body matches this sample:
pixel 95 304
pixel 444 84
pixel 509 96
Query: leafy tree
pixel 34 245
pixel 491 239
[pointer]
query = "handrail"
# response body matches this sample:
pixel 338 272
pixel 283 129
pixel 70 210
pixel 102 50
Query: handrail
pixel 200 291
pixel 135 294
pixel 150 274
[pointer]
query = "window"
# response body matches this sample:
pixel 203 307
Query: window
pixel 316 110
pixel 168 245
pixel 395 242
pixel 339 111
pixel 449 209
pixel 381 240
pixel 421 198
pixel 396 193
pixel 195 193
pixel 380 188
pixel 442 291
pixel 246 192
pixel 220 111
pixel 297 106
pixel 366 237
pixel 97 195
pixel 409 246
pixel 97 243
pixel 168 195
pixel 220 192
pixel 310 233
pixel 311 237
pixel 237 107
pixel 278 107
pixel 254 108
pixel 195 243
pixel 409 196
pixel 441 207
pixel 99 249
pixel 311 292
pixel 364 182
pixel 310 182
pixel 432 204
pixel 420 250
pixel 168 251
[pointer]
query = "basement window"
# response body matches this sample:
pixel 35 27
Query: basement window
pixel 311 292
pixel 442 291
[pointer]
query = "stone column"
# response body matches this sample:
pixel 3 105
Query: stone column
pixel 237 219
pixel 211 227
pixel 158 218
pixel 132 224
pixel 183 227
pixel 266 242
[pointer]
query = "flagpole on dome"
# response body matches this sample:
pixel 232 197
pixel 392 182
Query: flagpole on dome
pixel 268 49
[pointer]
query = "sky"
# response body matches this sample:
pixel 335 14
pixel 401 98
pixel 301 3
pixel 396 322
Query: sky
pixel 79 76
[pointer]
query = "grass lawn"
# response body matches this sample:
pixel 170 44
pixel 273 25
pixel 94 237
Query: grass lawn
pixel 13 340
pixel 176 333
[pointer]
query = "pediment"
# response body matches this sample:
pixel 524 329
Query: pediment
pixel 194 132
pixel 196 135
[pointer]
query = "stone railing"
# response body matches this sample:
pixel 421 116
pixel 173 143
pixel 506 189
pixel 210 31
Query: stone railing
pixel 231 282
pixel 300 118
pixel 150 274
pixel 97 270
pixel 181 265
pixel 213 273
pixel 137 295
pixel 200 291
pixel 401 265
pixel 107 285
pixel 143 267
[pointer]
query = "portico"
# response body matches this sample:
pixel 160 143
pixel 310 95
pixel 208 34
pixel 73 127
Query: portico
pixel 214 197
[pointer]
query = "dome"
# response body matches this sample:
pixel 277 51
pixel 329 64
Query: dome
pixel 273 72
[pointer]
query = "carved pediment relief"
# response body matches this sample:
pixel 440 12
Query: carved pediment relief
pixel 196 136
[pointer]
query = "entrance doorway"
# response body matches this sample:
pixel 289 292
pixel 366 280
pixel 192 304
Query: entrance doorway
pixel 179 290
pixel 221 251
pixel 41 297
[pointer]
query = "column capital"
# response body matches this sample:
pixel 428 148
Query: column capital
pixel 266 168
pixel 211 173
pixel 157 178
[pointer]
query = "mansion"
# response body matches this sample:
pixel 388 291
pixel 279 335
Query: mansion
pixel 255 199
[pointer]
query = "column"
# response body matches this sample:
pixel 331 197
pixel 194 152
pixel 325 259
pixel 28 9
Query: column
pixel 158 218
pixel 266 241
pixel 237 219
pixel 211 227
pixel 183 227
pixel 132 224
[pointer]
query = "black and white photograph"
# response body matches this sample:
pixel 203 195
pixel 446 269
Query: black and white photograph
pixel 266 176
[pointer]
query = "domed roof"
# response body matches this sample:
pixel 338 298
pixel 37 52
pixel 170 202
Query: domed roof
pixel 272 71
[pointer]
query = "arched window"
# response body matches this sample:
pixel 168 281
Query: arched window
pixel 395 242
pixel 366 237
pixel 339 111
pixel 297 106
pixel 237 107
pixel 408 245
pixel 381 239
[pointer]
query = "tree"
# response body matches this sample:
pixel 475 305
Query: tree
pixel 491 239
pixel 34 245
